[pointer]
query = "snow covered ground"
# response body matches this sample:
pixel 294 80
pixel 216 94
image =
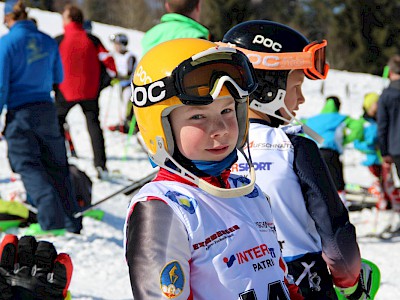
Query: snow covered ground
pixel 100 271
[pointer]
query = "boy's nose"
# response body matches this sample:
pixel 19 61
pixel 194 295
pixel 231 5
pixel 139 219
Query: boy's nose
pixel 219 127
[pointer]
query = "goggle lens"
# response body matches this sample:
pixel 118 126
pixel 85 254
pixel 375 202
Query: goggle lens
pixel 200 81
pixel 320 68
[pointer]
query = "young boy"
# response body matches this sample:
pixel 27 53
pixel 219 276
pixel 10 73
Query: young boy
pixel 125 62
pixel 383 188
pixel 197 232
pixel 312 224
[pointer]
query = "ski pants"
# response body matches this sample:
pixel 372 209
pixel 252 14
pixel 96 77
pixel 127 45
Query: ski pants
pixel 91 111
pixel 36 151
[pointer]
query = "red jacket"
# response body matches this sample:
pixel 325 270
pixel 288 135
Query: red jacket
pixel 81 56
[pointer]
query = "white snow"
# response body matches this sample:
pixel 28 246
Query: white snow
pixel 100 271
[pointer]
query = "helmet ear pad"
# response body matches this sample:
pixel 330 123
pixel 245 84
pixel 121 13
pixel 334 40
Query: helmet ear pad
pixel 269 82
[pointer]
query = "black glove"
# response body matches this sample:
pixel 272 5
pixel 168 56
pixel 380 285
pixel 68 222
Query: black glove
pixel 31 270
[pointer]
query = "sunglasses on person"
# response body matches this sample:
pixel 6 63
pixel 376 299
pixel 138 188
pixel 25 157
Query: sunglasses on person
pixel 199 79
pixel 312 60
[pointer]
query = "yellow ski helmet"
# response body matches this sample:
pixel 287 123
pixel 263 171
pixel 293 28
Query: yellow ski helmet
pixel 187 72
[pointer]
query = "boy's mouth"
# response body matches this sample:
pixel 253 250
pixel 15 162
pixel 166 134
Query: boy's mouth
pixel 218 150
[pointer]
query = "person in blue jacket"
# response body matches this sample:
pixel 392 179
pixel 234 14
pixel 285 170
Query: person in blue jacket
pixel 337 130
pixel 29 66
pixel 369 146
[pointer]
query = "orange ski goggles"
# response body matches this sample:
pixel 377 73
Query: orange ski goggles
pixel 312 60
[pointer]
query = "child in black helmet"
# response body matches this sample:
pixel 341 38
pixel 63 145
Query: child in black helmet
pixel 125 62
pixel 312 223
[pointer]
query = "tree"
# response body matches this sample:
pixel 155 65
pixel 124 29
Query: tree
pixel 221 15
pixel 364 35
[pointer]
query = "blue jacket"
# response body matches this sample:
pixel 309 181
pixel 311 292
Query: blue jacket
pixel 369 145
pixel 336 129
pixel 29 65
pixel 389 120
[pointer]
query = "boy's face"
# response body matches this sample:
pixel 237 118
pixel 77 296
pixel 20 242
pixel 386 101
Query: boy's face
pixel 294 95
pixel 373 109
pixel 206 132
pixel 118 47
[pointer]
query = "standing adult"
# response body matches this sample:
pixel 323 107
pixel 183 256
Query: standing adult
pixel 29 66
pixel 180 21
pixel 389 116
pixel 82 78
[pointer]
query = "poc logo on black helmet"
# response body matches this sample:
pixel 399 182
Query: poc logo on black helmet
pixel 259 39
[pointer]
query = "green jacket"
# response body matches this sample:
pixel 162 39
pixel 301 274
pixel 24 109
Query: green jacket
pixel 173 26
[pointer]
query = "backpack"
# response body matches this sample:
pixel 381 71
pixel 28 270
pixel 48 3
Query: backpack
pixel 82 186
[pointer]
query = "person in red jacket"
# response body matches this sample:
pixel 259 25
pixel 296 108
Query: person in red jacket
pixel 83 56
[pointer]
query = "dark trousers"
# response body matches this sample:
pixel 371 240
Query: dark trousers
pixel 36 151
pixel 310 273
pixel 396 160
pixel 335 166
pixel 91 111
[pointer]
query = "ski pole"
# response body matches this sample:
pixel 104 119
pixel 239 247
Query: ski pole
pixel 68 137
pixel 132 126
pixel 131 188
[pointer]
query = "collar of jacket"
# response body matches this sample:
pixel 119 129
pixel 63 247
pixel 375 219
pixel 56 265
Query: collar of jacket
pixel 395 84
pixel 165 175
pixel 73 26
pixel 27 24
pixel 181 18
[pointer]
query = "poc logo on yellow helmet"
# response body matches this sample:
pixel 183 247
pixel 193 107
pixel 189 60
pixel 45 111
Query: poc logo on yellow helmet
pixel 259 39
pixel 142 76
pixel 141 94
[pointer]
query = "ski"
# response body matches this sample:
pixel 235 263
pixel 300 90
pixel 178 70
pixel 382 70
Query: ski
pixel 388 233
pixel 355 188
pixel 13 178
pixel 127 190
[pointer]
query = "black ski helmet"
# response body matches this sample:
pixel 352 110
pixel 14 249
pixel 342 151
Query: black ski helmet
pixel 266 36
pixel 270 37
pixel 119 38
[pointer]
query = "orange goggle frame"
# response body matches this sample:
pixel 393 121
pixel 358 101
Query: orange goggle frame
pixel 311 60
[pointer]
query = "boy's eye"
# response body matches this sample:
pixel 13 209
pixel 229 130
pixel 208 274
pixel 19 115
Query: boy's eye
pixel 227 110
pixel 196 117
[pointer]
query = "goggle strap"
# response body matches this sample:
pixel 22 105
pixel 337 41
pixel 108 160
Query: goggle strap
pixel 168 90
pixel 288 60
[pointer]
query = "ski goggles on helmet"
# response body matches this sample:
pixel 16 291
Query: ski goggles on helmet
pixel 199 79
pixel 312 60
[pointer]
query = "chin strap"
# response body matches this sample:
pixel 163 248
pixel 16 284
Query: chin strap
pixel 161 157
pixel 278 103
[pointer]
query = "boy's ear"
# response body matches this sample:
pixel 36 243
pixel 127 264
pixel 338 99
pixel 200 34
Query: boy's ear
pixel 166 5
